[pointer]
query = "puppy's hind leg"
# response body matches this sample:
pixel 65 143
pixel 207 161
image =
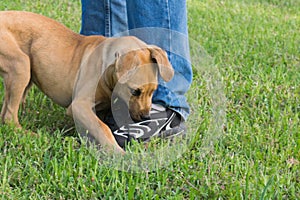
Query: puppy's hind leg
pixel 16 78
pixel 24 97
pixel 4 106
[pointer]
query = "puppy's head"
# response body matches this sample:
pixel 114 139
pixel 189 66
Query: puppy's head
pixel 137 72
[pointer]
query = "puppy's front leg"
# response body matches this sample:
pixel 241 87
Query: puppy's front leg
pixel 83 114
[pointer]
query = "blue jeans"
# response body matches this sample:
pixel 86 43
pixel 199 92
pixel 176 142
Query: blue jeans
pixel 157 22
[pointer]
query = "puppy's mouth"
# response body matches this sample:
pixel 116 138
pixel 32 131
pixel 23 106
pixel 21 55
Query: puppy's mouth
pixel 140 117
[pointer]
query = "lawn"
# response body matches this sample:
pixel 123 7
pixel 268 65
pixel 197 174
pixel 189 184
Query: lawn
pixel 245 121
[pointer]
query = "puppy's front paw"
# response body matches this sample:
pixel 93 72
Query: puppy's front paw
pixel 118 150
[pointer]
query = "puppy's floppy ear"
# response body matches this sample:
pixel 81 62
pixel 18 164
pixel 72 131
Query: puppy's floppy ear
pixel 165 68
pixel 123 68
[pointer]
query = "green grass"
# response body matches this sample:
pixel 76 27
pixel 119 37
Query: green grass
pixel 255 48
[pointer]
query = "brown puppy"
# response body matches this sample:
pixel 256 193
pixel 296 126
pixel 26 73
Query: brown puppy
pixel 77 72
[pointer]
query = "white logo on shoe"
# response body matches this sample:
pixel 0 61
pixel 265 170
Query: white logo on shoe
pixel 140 129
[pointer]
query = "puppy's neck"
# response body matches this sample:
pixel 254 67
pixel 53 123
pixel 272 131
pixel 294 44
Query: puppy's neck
pixel 107 83
pixel 110 78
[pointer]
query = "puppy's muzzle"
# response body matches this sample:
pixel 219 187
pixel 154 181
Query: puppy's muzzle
pixel 145 117
pixel 140 117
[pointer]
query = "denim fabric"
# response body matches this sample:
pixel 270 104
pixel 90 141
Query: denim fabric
pixel 162 23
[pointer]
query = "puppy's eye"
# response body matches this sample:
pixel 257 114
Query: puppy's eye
pixel 135 92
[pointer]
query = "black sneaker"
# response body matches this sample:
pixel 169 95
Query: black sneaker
pixel 163 123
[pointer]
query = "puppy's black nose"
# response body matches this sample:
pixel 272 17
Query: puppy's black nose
pixel 145 117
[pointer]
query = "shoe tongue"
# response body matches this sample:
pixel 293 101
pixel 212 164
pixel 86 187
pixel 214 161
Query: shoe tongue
pixel 157 108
